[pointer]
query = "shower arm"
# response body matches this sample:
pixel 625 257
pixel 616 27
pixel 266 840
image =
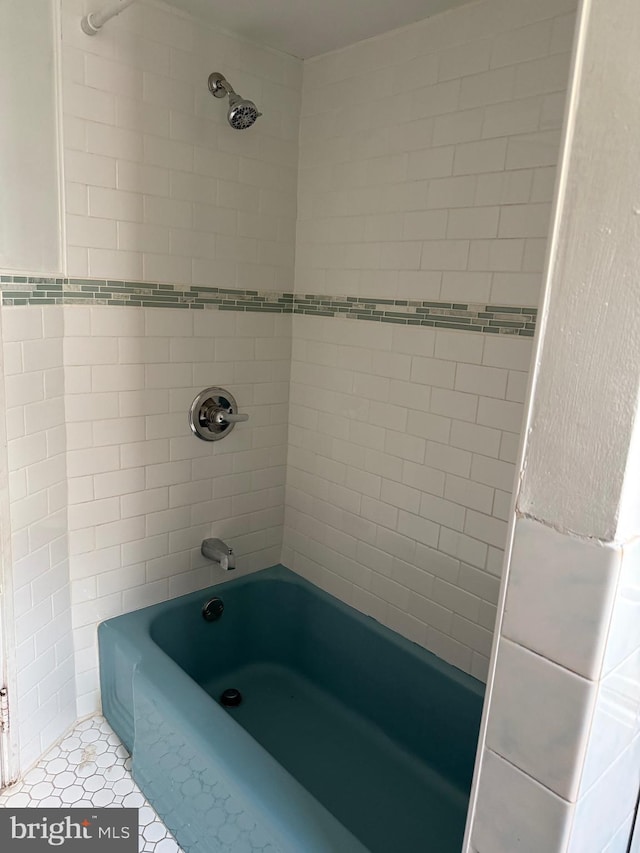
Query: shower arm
pixel 219 86
pixel 224 84
pixel 93 22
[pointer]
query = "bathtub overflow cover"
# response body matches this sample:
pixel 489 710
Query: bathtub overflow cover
pixel 212 610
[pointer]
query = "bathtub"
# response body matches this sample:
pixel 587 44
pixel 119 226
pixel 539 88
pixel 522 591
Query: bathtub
pixel 348 737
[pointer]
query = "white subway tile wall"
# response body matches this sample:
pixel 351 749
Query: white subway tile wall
pixel 427 164
pixel 143 490
pixel 36 448
pixel 427 156
pixel 397 497
pixel 158 186
pixel 110 492
pixel 425 170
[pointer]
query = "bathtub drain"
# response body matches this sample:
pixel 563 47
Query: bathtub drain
pixel 230 697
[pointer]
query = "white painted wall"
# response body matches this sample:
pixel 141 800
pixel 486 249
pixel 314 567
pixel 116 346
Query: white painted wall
pixel 571 416
pixel 30 235
pixel 427 165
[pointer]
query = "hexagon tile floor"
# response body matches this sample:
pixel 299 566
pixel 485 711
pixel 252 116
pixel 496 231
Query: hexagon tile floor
pixel 90 767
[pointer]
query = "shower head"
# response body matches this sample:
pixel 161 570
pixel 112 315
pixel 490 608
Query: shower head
pixel 242 113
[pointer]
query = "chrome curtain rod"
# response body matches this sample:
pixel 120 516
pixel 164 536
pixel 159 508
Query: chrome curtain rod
pixel 94 21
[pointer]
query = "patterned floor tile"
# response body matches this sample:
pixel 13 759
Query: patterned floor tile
pixel 90 767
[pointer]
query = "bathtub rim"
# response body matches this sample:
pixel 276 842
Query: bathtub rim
pixel 138 623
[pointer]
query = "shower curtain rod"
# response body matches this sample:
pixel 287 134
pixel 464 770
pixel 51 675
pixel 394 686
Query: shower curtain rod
pixel 94 21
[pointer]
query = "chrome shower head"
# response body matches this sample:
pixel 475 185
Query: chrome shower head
pixel 241 113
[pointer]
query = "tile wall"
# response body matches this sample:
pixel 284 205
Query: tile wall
pixel 160 189
pixel 35 414
pixel 563 725
pixel 402 436
pixel 110 492
pixel 158 186
pixel 427 168
pixel 427 156
pixel 402 444
pixel 143 490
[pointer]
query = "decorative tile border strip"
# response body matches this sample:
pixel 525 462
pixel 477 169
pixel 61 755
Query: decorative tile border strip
pixel 17 290
pixel 468 317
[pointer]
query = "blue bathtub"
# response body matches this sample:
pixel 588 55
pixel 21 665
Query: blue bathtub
pixel 348 738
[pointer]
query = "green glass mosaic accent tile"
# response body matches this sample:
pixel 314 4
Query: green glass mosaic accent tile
pixel 468 317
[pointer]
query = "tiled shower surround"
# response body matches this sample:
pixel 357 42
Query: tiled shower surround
pixel 110 492
pixel 384 375
pixel 427 166
pixel 142 490
pixel 400 469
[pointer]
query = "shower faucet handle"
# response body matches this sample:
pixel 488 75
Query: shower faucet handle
pixel 214 413
pixel 222 417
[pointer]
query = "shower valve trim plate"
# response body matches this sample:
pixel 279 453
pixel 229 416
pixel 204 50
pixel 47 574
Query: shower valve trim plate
pixel 214 413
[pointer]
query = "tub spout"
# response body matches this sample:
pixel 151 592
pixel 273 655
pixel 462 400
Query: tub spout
pixel 219 552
